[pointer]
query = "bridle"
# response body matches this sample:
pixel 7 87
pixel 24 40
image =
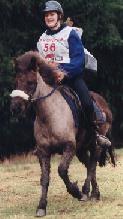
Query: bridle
pixel 29 98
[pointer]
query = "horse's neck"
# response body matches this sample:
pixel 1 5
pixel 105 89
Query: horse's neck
pixel 47 103
pixel 47 106
pixel 42 88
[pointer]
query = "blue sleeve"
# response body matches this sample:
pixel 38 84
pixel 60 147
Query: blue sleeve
pixel 77 57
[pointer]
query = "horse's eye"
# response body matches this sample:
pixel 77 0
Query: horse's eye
pixel 31 85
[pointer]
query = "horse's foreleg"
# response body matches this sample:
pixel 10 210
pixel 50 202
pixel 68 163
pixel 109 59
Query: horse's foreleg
pixel 67 157
pixel 44 161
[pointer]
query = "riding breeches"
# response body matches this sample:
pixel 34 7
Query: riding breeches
pixel 81 89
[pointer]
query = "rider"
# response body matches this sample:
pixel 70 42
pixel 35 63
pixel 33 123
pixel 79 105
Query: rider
pixel 61 45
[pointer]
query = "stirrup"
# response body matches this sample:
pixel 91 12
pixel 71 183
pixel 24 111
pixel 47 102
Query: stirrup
pixel 103 140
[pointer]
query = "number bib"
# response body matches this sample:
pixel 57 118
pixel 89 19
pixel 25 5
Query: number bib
pixel 55 47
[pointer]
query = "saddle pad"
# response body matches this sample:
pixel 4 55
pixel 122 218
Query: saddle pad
pixel 74 103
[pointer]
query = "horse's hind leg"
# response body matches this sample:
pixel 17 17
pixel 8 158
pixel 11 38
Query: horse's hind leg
pixel 44 160
pixel 85 158
pixel 67 157
pixel 86 186
pixel 91 170
pixel 95 193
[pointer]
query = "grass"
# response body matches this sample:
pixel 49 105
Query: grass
pixel 20 191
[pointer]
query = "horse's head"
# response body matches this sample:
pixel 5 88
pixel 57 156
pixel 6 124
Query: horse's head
pixel 26 67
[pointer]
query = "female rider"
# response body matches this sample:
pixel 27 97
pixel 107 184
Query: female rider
pixel 61 45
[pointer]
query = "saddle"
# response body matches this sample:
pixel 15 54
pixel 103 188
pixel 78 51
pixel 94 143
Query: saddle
pixel 74 103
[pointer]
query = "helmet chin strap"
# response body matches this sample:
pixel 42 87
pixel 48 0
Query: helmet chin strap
pixel 56 26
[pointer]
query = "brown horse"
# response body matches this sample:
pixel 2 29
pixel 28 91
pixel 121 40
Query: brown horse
pixel 54 127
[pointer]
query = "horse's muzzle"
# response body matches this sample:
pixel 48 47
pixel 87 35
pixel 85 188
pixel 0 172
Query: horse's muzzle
pixel 17 106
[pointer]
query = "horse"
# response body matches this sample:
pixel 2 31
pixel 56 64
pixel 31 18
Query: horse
pixel 54 127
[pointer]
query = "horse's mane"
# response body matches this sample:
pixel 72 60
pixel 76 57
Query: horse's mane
pixel 32 60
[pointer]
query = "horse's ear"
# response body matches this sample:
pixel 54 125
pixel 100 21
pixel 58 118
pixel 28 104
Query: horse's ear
pixel 15 64
pixel 33 64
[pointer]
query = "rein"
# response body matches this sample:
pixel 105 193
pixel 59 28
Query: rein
pixel 44 97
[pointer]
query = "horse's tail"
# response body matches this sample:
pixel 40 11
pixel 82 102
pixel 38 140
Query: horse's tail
pixel 108 154
pixel 112 155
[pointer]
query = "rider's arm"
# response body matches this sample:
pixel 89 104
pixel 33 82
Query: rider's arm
pixel 77 57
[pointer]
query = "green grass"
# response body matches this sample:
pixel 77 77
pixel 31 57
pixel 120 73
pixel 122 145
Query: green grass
pixel 20 191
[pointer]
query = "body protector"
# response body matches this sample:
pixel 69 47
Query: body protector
pixel 55 47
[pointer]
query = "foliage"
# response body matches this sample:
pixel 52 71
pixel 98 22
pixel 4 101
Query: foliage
pixel 13 134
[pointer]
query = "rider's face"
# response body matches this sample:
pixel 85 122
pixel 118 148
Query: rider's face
pixel 51 20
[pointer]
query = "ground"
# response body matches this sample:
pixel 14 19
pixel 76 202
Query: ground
pixel 20 191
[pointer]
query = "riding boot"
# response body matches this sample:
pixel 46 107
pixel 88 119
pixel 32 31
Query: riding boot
pixel 100 139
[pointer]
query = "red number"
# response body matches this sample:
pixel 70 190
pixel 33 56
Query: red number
pixel 49 47
pixel 52 47
pixel 46 47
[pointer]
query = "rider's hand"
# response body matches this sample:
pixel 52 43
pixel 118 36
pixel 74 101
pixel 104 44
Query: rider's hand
pixel 53 64
pixel 59 76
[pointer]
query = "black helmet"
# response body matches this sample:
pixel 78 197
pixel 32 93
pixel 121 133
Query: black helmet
pixel 53 6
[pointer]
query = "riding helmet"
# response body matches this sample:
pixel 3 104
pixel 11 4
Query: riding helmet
pixel 53 6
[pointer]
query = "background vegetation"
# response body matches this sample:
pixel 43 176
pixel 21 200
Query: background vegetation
pixel 21 24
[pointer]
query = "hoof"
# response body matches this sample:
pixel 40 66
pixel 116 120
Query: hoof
pixel 40 213
pixel 84 198
pixel 95 198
